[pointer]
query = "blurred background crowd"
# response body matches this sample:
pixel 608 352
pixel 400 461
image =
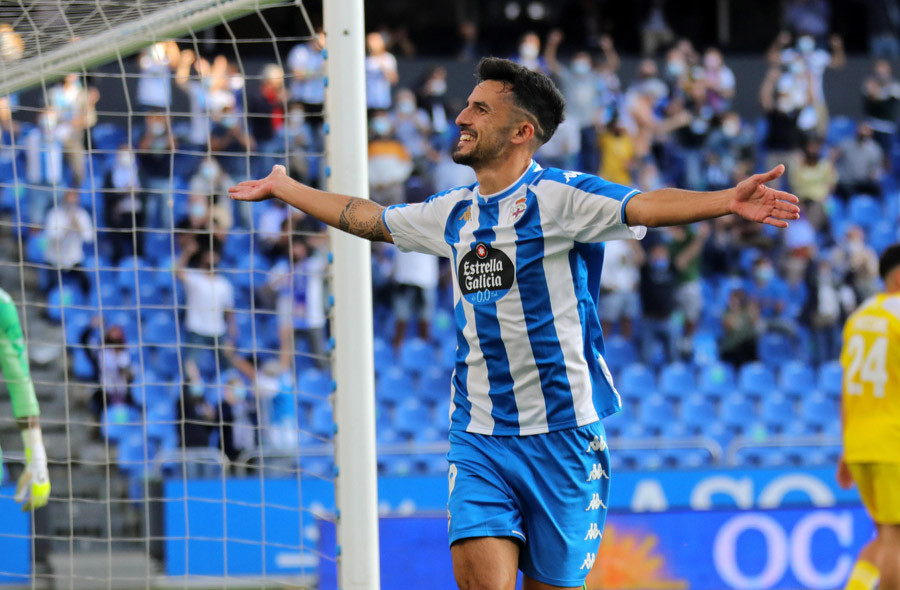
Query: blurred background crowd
pixel 120 212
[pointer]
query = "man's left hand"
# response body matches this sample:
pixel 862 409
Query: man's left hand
pixel 755 201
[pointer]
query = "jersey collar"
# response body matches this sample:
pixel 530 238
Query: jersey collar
pixel 526 178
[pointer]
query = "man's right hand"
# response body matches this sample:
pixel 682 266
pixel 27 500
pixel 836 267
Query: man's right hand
pixel 259 190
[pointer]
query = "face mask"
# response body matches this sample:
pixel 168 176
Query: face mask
pixel 196 389
pixel 381 126
pixel 796 68
pixel 157 128
pixel 731 128
pixel 528 50
pixel 48 122
pixel 230 121
pixel 438 87
pixel 123 159
pixel 198 210
pixel 785 104
pixel 711 62
pixel 806 44
pixel 581 67
pixel 675 68
pixel 208 170
pixel 296 117
pixel 407 107
pixel 660 264
pixel 764 274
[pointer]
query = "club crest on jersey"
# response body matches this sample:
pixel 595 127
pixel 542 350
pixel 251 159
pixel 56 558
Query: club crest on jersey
pixel 485 274
pixel 570 175
pixel 518 209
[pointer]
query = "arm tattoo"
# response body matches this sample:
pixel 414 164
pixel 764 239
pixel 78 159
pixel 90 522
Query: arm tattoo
pixel 362 218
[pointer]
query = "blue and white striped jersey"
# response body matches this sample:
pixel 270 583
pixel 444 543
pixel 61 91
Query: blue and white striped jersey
pixel 525 267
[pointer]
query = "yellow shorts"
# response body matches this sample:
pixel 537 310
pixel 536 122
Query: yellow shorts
pixel 879 487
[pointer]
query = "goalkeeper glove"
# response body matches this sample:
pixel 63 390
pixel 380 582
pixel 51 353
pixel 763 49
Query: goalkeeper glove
pixel 33 488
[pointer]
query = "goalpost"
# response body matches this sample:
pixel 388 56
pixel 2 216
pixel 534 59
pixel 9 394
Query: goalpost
pixel 41 41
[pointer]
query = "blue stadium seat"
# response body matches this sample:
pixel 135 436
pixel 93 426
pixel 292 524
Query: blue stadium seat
pixel 395 465
pixel 107 137
pixel 59 299
pixel 676 429
pixel 737 412
pixel 774 349
pixel 619 352
pixel 434 385
pixel 776 411
pixel 120 422
pixel 160 328
pixel 384 355
pixel 882 235
pixel 839 129
pixel 864 211
pixel 443 326
pixel 441 414
pixel 796 379
pixel 82 367
pixel 677 380
pixel 649 459
pixel 75 323
pixel 436 465
pixel 817 410
pixel 755 380
pixel 616 422
pixel 134 455
pixel 416 355
pixel 314 383
pixel 686 458
pixel 393 386
pixel 697 413
pixel 238 245
pixel 636 380
pixel 716 380
pixel 448 354
pixel 831 378
pixel 705 348
pixel 656 412
pixel 321 422
pixel 634 431
pixel 410 416
pixel 428 434
pixel 166 360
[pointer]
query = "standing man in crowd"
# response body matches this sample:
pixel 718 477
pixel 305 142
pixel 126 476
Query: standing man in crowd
pixel 871 419
pixel 529 463
pixel 33 488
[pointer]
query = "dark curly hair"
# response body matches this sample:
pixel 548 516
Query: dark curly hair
pixel 532 92
pixel 890 259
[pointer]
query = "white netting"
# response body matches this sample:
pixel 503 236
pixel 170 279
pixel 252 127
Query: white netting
pixel 188 445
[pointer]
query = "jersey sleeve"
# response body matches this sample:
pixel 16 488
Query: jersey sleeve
pixel 14 361
pixel 419 227
pixel 591 209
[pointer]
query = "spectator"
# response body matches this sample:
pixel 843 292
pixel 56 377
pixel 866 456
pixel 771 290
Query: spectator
pixel 740 322
pixel 415 281
pixel 720 251
pixel 239 419
pixel 859 162
pixel 307 64
pixel 824 311
pixel 813 180
pixel 529 54
pixel 300 303
pixel 432 95
pixel 619 281
pixel 884 24
pixel 113 364
pixel 561 151
pixel 209 303
pixel 581 85
pixel 154 86
pixel 718 80
pixel 299 138
pixel 155 156
pixel 266 108
pixel 881 104
pixel 858 261
pixel 782 110
pixel 68 228
pixel 655 31
pixel 771 295
pixel 381 73
pixel 205 227
pixel 206 89
pixel 276 401
pixel 413 128
pixel 470 48
pixel 617 153
pixel 390 165
pixel 196 417
pixel 75 106
pixel 123 205
pixel 212 181
pixel 690 123
pixel 685 247
pixel 658 282
pixel 230 140
pixel 43 164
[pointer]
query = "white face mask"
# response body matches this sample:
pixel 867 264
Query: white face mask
pixel 123 159
pixel 581 66
pixel 731 128
pixel 157 128
pixel 528 50
pixel 407 107
pixel 806 44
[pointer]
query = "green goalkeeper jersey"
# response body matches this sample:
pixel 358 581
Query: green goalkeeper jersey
pixel 14 360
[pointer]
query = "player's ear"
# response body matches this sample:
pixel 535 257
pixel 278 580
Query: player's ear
pixel 524 132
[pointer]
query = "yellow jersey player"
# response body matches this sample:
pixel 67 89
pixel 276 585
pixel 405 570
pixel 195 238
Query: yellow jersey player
pixel 871 417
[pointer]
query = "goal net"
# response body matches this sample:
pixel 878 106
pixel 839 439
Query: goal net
pixel 180 343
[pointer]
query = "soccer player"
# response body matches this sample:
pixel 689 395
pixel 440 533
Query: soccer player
pixel 529 466
pixel 871 417
pixel 33 488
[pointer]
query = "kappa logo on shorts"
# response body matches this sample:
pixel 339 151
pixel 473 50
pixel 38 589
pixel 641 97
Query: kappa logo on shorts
pixel 598 444
pixel 597 473
pixel 596 503
pixel 593 533
pixel 588 561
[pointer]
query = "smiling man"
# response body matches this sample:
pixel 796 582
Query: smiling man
pixel 529 465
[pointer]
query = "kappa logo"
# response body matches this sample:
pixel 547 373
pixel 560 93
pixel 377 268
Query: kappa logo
pixel 593 533
pixel 595 504
pixel 518 209
pixel 570 175
pixel 467 214
pixel 588 562
pixel 598 444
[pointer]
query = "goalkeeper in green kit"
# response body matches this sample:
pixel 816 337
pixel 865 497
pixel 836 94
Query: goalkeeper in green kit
pixel 33 489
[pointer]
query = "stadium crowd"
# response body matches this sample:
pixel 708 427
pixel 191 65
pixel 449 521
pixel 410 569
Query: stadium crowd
pixel 252 281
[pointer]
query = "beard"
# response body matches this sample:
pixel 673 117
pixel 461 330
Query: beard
pixel 483 153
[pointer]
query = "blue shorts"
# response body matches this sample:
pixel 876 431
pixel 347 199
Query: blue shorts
pixel 548 491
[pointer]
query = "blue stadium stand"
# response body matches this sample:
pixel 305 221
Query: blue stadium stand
pixel 416 355
pixel 384 355
pixel 394 386
pixel 864 211
pixel 755 380
pixel 817 410
pixel 410 416
pixel 619 353
pixel 736 412
pixel 676 381
pixel 656 413
pixel 697 413
pixel 830 379
pixel 434 385
pixel 776 411
pixel 716 381
pixel 796 379
pixel 636 380
pixel 775 348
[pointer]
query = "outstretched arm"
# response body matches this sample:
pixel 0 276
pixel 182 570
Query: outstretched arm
pixel 751 199
pixel 359 217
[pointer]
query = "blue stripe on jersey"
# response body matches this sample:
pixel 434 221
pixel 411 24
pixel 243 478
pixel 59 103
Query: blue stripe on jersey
pixel 590 184
pixel 462 414
pixel 487 326
pixel 586 262
pixel 539 320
